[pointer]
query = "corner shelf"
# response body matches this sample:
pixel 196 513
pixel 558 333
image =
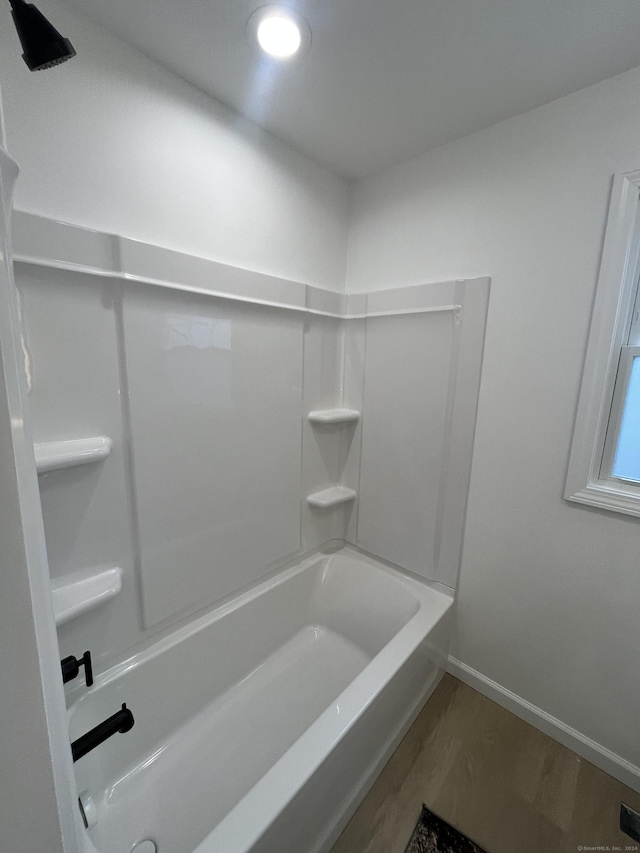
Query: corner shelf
pixel 78 592
pixel 332 496
pixel 333 416
pixel 52 455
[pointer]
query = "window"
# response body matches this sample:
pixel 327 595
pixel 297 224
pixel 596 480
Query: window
pixel 622 450
pixel 604 465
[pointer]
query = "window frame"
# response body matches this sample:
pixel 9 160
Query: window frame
pixel 589 479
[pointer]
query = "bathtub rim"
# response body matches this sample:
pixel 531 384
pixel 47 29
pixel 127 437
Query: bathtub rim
pixel 185 628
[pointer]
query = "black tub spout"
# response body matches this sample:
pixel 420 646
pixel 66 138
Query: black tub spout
pixel 121 721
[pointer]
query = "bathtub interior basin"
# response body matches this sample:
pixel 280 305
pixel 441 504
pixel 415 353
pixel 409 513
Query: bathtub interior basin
pixel 235 712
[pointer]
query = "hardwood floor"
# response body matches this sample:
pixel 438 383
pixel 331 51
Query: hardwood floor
pixel 503 783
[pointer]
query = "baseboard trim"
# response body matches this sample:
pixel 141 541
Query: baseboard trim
pixel 586 748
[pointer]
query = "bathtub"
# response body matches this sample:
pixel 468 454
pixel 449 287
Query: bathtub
pixel 260 726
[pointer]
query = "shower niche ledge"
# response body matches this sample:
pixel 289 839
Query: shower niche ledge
pixel 78 592
pixel 334 416
pixel 52 455
pixel 333 496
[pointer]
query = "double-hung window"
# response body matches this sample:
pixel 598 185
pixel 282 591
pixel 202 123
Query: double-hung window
pixel 604 465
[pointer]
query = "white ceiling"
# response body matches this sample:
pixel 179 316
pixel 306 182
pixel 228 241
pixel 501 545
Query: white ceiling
pixel 385 80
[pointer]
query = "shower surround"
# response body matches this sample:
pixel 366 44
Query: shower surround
pixel 252 489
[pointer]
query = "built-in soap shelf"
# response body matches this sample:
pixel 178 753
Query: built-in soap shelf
pixel 334 416
pixel 52 455
pixel 332 496
pixel 77 592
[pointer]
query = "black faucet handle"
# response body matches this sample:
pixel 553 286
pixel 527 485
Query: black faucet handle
pixel 71 668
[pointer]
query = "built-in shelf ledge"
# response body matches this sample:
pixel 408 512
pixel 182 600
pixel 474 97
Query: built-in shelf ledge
pixel 51 455
pixel 331 497
pixel 78 592
pixel 334 416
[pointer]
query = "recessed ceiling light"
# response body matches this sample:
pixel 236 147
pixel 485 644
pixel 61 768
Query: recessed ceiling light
pixel 279 36
pixel 280 32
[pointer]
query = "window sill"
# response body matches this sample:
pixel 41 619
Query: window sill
pixel 607 496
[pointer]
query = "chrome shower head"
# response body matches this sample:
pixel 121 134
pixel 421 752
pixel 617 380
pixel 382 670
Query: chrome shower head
pixel 42 44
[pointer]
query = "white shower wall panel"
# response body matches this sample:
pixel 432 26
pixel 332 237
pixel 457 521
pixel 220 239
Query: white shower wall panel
pixel 71 360
pixel 215 396
pixel 407 385
pixel 353 373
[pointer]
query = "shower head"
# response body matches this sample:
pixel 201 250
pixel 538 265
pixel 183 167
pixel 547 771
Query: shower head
pixel 42 44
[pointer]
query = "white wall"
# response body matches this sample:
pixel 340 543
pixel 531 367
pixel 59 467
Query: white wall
pixel 550 591
pixel 113 141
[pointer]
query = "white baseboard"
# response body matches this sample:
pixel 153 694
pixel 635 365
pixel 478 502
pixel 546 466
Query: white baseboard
pixel 603 758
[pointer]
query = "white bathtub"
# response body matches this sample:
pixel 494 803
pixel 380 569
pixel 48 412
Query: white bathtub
pixel 261 726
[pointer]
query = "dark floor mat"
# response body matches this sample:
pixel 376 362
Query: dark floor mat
pixel 434 835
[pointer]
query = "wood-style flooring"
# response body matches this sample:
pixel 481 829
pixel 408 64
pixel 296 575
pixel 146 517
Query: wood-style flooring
pixel 501 782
